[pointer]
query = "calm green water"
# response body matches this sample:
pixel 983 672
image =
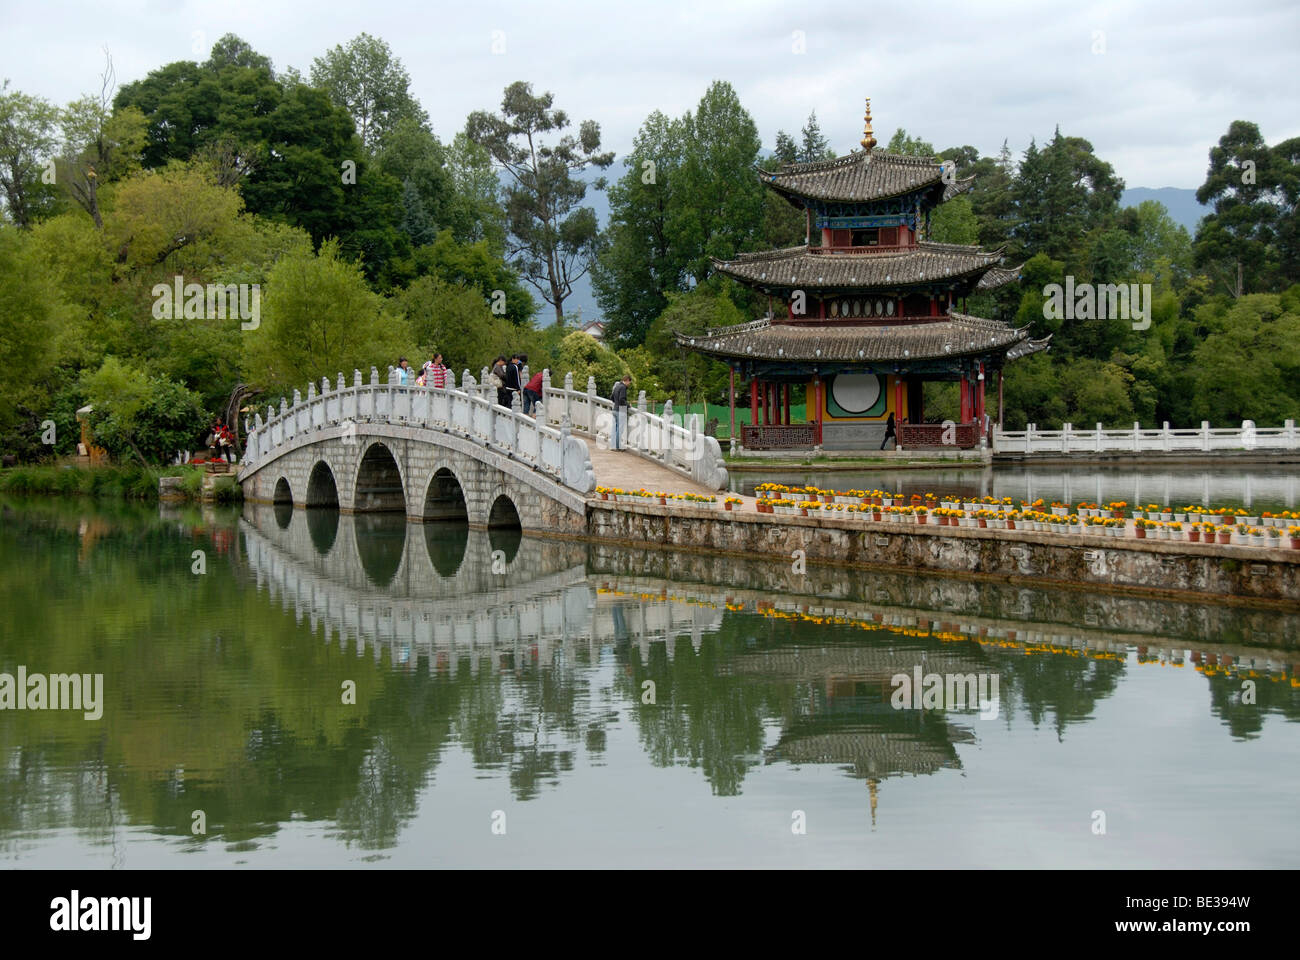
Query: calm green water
pixel 610 707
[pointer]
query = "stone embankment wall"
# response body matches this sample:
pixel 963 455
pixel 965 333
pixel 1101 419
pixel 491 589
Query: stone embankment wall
pixel 1244 574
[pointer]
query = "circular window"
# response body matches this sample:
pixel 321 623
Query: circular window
pixel 855 392
pixel 889 307
pixel 835 308
pixel 857 308
pixel 844 308
pixel 880 307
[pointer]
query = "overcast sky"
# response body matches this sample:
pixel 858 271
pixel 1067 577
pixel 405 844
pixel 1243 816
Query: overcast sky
pixel 1169 79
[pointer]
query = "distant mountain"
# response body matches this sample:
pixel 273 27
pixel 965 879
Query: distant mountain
pixel 1181 203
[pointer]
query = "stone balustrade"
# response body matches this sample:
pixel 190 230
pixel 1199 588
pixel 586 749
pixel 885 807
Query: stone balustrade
pixel 1071 439
pixel 681 447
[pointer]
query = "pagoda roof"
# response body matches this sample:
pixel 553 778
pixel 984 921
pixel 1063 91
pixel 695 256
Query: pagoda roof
pixel 799 267
pixel 999 277
pixel 952 336
pixel 860 177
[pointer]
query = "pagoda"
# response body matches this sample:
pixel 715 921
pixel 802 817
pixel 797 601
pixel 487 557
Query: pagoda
pixel 867 316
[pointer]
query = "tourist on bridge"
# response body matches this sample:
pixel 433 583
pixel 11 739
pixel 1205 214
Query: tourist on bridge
pixel 403 372
pixel 435 372
pixel 619 396
pixel 498 379
pixel 533 392
pixel 514 376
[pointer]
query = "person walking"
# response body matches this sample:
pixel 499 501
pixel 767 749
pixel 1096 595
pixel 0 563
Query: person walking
pixel 533 392
pixel 498 379
pixel 619 396
pixel 403 373
pixel 889 433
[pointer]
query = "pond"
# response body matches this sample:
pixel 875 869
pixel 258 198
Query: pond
pixel 309 689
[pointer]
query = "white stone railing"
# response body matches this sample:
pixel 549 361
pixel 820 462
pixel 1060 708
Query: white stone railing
pixel 463 412
pixel 682 448
pixel 1163 440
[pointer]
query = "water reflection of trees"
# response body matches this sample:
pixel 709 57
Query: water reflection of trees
pixel 261 736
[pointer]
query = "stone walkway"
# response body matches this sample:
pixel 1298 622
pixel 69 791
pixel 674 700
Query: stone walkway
pixel 618 468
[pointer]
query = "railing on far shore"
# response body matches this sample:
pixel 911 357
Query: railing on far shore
pixel 1070 439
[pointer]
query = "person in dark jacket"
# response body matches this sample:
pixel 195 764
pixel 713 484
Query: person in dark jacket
pixel 889 433
pixel 619 396
pixel 513 369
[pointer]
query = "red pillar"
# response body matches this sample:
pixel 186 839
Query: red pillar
pixel 979 400
pixel 898 399
pixel 999 397
pixel 965 399
pixel 753 402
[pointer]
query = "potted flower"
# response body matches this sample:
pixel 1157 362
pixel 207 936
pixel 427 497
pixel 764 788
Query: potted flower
pixel 1293 532
pixel 921 513
pixel 1273 537
pixel 730 503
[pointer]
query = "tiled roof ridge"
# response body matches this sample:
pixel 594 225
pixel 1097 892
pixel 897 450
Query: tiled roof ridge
pixel 857 156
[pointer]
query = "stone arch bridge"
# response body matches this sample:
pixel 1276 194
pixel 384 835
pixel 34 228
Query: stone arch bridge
pixel 430 453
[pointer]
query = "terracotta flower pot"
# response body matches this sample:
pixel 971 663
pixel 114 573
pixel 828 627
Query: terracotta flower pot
pixel 1225 537
pixel 921 519
pixel 1011 524
pixel 803 511
pixel 663 501
pixel 983 523
pixel 1295 543
pixel 726 506
pixel 1194 536
pixel 604 496
pixel 1141 532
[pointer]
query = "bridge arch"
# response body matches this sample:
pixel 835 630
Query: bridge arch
pixel 444 497
pixel 322 490
pixel 283 493
pixel 503 513
pixel 379 486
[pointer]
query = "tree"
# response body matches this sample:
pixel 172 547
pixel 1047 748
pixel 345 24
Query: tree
pixel 637 264
pixel 99 145
pixel 584 356
pixel 32 310
pixel 27 141
pixel 552 237
pixel 319 319
pixel 717 207
pixel 689 375
pixel 785 150
pixel 812 145
pixel 1062 192
pixel 370 83
pixel 136 414
pixel 1253 191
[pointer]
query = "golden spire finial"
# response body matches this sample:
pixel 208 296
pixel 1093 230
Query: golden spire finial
pixel 868 138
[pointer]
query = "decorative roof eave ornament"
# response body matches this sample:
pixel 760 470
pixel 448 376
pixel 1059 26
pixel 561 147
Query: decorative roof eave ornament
pixel 1027 347
pixel 999 277
pixel 868 138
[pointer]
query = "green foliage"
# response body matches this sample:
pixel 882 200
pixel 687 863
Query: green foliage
pixel 584 356
pixel 685 374
pixel 319 319
pixel 553 237
pixel 370 83
pixel 136 415
pixel 32 310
